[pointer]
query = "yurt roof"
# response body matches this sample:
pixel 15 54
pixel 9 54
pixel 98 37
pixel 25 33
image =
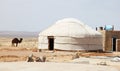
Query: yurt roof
pixel 70 27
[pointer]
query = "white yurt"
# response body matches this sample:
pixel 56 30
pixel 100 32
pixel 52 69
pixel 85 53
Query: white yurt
pixel 70 34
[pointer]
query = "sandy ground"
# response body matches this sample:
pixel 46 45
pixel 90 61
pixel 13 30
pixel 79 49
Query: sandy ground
pixel 14 59
pixel 48 66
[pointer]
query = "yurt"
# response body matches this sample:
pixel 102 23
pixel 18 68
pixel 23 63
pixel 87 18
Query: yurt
pixel 70 34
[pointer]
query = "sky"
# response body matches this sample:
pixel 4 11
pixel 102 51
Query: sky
pixel 37 15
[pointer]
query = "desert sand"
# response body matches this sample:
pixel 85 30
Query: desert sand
pixel 51 66
pixel 14 59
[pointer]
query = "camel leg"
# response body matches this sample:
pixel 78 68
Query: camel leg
pixel 16 44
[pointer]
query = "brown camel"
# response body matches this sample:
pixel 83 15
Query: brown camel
pixel 16 41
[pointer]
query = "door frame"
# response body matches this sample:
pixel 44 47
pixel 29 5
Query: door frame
pixel 114 41
pixel 50 42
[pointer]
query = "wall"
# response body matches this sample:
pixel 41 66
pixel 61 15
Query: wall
pixel 118 44
pixel 107 39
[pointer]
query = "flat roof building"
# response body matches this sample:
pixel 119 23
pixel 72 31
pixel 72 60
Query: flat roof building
pixel 111 39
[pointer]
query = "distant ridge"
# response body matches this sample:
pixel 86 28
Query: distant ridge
pixel 18 34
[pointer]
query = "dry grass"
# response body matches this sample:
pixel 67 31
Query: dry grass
pixel 12 58
pixel 27 42
pixel 29 45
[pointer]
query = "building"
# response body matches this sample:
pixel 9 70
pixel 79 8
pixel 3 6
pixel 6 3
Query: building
pixel 70 34
pixel 111 38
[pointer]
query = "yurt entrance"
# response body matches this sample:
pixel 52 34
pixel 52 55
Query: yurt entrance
pixel 51 42
pixel 113 43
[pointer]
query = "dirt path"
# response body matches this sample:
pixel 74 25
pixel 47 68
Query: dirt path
pixel 50 66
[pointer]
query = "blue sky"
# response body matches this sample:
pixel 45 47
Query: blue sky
pixel 36 15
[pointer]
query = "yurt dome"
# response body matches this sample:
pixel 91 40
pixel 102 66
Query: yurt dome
pixel 70 34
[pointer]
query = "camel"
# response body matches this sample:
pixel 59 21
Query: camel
pixel 16 41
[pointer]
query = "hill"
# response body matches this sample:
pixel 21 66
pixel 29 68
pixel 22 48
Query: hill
pixel 18 34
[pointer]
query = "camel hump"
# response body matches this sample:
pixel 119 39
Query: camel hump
pixel 14 39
